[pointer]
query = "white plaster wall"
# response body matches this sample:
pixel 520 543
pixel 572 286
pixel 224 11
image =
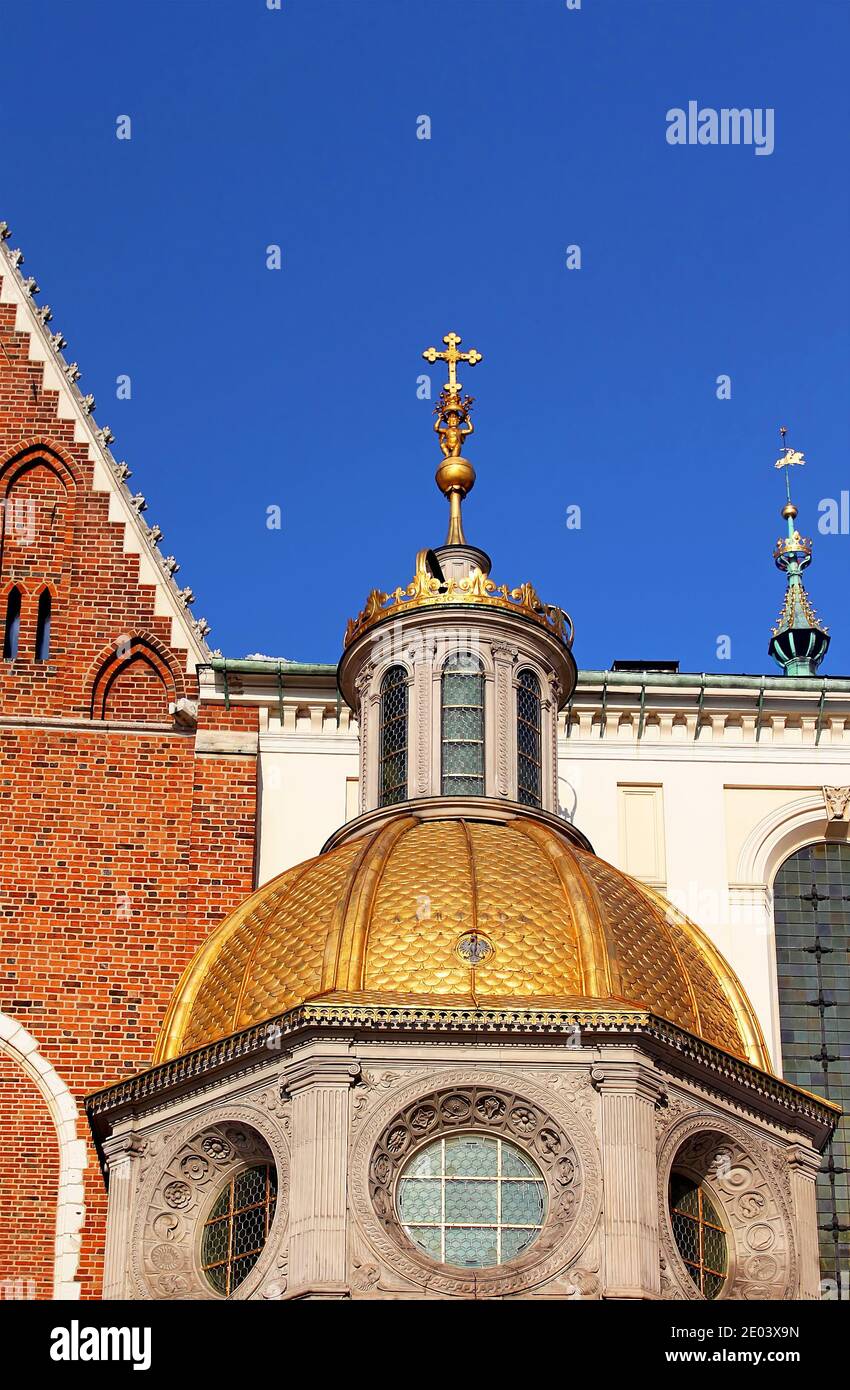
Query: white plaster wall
pixel 302 795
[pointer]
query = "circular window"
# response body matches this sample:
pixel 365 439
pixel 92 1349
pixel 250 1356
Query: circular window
pixel 238 1226
pixel 472 1200
pixel 699 1234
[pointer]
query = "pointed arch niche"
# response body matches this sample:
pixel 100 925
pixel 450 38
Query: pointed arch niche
pixel 39 485
pixel 136 679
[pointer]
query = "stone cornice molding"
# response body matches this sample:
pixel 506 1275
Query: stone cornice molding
pixel 690 1056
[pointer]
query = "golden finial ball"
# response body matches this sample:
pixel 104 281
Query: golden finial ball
pixel 455 474
pixel 789 510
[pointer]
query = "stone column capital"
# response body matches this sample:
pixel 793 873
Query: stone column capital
pixel 626 1078
pixel 123 1147
pixel 803 1160
pixel 310 1071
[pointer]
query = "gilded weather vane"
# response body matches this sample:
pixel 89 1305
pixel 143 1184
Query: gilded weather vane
pixel 455 476
pixel 788 458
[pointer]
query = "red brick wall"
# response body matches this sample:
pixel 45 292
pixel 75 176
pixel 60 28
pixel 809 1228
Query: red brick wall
pixel 121 849
pixel 29 1171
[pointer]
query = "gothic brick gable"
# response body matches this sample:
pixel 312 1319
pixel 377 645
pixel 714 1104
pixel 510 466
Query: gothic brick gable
pixel 126 838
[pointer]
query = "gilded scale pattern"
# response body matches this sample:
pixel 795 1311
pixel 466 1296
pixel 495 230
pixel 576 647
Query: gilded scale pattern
pixel 382 914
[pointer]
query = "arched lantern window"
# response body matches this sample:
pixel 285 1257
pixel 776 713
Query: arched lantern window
pixel 392 769
pixel 529 758
pixel 463 726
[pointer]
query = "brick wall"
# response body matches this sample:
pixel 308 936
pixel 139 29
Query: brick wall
pixel 122 847
pixel 29 1166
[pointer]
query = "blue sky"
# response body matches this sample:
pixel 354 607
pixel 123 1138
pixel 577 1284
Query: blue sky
pixel 297 388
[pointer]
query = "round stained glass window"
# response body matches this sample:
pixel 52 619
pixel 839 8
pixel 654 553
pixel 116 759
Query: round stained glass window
pixel 472 1200
pixel 699 1234
pixel 238 1226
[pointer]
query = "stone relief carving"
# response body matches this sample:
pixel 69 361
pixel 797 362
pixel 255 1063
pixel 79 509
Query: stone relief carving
pixel 556 1135
pixel 278 1103
pixel 671 1107
pixel 837 802
pixel 367 1088
pixel 184 1175
pixel 574 1087
pixel 740 1171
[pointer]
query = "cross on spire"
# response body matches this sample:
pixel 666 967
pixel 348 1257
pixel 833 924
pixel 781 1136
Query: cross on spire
pixel 452 357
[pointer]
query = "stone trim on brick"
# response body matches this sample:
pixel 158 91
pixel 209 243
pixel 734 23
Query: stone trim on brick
pixel 22 1047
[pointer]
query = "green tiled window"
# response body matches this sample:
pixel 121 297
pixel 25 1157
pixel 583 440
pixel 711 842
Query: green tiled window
pixel 811 904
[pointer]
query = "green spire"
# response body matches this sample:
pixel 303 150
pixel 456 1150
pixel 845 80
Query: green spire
pixel 800 641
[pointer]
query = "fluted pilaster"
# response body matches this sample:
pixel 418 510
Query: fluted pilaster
pixel 122 1152
pixel 804 1165
pixel 319 1086
pixel 630 1201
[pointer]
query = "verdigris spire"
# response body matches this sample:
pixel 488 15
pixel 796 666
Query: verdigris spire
pixel 800 641
pixel 455 475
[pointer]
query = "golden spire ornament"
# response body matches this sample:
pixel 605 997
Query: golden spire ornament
pixel 455 475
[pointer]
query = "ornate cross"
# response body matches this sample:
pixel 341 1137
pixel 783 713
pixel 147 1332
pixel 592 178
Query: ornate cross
pixel 452 357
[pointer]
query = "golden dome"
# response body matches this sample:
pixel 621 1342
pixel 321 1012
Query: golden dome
pixel 383 913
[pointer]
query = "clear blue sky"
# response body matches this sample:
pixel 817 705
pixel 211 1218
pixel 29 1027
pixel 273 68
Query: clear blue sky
pixel 252 387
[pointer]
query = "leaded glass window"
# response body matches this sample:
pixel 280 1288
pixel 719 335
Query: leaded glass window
pixel 528 739
pixel 699 1234
pixel 811 906
pixel 463 726
pixel 472 1200
pixel 238 1226
pixel 393 755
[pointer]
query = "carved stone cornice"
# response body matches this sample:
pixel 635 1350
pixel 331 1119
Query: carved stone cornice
pixel 675 1047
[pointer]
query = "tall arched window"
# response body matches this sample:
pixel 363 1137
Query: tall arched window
pixel 811 905
pixel 529 777
pixel 699 1234
pixel 12 629
pixel 463 726
pixel 238 1226
pixel 393 754
pixel 42 631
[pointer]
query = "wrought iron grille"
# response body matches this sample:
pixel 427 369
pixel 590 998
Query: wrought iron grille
pixel 529 759
pixel 393 755
pixel 811 908
pixel 699 1234
pixel 463 726
pixel 472 1200
pixel 238 1226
